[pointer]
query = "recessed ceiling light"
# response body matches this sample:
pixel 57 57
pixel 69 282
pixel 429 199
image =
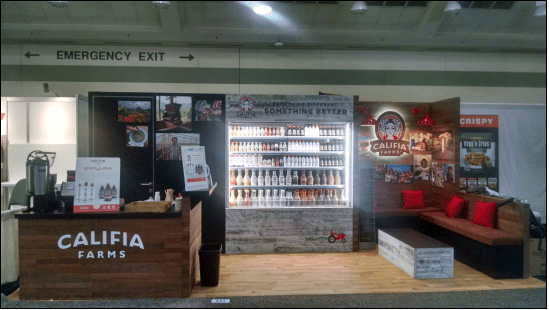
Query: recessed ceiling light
pixel 59 4
pixel 279 44
pixel 359 7
pixel 541 10
pixel 262 9
pixel 161 5
pixel 452 8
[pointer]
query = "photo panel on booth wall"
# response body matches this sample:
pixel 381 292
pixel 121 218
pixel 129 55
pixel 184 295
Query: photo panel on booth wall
pixel 443 145
pixel 420 140
pixel 137 136
pixel 134 111
pixel 449 173
pixel 437 174
pixel 168 145
pixel 422 167
pixel 173 113
pixel 398 174
pixel 208 110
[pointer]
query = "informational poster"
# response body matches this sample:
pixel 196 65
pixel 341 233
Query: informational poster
pixel 97 184
pixel 479 151
pixel 194 168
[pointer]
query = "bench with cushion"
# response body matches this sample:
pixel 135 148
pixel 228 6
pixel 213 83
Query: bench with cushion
pixel 500 252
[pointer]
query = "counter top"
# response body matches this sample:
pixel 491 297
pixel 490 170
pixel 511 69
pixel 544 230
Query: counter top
pixel 60 215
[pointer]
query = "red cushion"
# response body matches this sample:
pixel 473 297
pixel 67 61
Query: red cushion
pixel 412 199
pixel 455 207
pixel 484 214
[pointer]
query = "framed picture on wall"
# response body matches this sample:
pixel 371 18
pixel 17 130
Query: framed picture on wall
pixel 422 167
pixel 398 174
pixel 173 113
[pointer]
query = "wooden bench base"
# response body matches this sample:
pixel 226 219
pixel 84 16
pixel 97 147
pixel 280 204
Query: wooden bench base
pixel 498 262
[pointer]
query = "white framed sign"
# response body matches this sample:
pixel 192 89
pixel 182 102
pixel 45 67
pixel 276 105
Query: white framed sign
pixel 97 184
pixel 195 169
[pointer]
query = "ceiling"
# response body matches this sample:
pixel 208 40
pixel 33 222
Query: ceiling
pixel 482 26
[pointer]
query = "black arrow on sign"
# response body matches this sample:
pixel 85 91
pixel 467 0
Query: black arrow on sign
pixel 28 54
pixel 190 57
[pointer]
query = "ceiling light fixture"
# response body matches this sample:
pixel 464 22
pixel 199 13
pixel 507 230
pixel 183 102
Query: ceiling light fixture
pixel 541 10
pixel 279 44
pixel 161 5
pixel 59 4
pixel 369 119
pixel 452 8
pixel 426 120
pixel 359 7
pixel 262 9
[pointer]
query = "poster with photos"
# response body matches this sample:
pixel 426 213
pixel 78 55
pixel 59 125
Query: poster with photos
pixel 422 167
pixel 173 113
pixel 398 174
pixel 168 145
pixel 449 173
pixel 443 145
pixel 208 110
pixel 437 174
pixel 134 111
pixel 379 171
pixel 137 136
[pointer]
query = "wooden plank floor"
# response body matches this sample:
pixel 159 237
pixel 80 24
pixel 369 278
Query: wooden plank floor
pixel 338 273
pixel 335 273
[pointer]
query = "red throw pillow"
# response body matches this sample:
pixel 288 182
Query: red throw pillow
pixel 455 207
pixel 484 214
pixel 412 199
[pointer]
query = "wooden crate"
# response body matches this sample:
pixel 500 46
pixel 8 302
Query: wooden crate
pixel 148 206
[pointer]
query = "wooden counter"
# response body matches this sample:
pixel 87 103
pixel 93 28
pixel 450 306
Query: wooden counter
pixel 109 255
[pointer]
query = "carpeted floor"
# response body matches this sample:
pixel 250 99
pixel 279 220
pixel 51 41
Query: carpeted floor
pixel 520 298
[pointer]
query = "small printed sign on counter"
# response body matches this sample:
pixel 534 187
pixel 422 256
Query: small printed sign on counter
pixel 97 185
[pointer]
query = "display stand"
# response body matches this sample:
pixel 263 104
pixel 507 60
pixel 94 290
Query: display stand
pixel 110 255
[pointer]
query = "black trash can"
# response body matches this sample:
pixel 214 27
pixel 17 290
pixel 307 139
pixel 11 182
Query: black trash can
pixel 210 255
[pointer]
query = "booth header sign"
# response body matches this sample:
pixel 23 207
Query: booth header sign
pixel 296 108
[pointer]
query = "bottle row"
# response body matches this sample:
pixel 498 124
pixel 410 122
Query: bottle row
pixel 279 179
pixel 289 130
pixel 291 146
pixel 299 198
pixel 258 160
pixel 87 193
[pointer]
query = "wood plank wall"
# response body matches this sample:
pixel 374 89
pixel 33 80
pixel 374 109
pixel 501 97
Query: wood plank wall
pixel 446 113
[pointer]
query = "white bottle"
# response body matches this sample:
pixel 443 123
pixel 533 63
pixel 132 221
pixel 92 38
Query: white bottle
pixel 85 192
pixel 274 178
pixel 253 179
pixel 289 177
pixel 261 199
pixel 268 199
pixel 282 198
pixel 281 179
pixel 276 199
pixel 260 179
pixel 254 197
pixel 267 178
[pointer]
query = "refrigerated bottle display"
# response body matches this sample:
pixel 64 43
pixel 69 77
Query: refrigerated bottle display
pixel 288 165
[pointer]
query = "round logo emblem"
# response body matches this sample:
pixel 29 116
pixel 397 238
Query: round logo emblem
pixel 246 104
pixel 390 126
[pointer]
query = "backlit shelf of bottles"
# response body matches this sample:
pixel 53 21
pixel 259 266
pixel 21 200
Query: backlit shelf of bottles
pixel 294 153
pixel 289 186
pixel 285 168
pixel 287 138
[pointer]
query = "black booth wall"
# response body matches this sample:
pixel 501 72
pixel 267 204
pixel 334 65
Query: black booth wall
pixel 106 139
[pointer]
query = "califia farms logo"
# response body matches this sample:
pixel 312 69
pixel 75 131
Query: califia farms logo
pixel 390 130
pixel 246 105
